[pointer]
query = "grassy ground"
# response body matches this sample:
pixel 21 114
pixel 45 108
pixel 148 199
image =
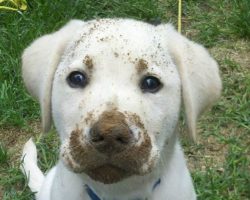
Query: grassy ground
pixel 219 161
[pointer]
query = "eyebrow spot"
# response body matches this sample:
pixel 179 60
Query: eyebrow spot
pixel 88 62
pixel 141 66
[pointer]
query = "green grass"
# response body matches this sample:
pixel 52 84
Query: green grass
pixel 221 157
pixel 3 154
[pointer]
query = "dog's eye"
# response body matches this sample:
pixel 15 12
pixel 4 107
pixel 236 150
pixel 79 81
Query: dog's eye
pixel 150 84
pixel 77 79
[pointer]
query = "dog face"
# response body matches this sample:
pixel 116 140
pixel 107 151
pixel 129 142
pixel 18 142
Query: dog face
pixel 115 100
pixel 115 91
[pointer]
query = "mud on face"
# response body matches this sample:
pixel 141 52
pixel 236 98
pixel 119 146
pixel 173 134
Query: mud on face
pixel 81 156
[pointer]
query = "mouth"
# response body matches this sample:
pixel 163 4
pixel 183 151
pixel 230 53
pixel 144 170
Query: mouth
pixel 108 174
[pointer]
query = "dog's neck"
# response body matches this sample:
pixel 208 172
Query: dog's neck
pixel 94 196
pixel 133 188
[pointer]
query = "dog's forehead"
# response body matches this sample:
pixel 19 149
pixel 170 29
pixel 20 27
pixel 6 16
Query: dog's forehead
pixel 123 34
pixel 127 40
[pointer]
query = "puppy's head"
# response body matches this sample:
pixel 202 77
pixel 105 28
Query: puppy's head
pixel 114 87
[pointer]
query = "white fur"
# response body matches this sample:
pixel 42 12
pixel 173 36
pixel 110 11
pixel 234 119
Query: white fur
pixel 115 46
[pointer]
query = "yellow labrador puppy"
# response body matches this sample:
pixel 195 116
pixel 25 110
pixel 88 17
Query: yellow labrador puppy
pixel 114 89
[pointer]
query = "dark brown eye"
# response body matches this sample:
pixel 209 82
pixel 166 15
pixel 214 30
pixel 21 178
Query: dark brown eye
pixel 77 79
pixel 150 84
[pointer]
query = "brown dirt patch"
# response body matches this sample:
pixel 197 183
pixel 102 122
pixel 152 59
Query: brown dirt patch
pixel 238 51
pixel 14 138
pixel 208 151
pixel 211 152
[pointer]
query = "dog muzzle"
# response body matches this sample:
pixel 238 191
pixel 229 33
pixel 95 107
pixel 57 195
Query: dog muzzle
pixel 110 152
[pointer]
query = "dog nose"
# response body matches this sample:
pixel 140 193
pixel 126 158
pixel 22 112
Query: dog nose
pixel 111 134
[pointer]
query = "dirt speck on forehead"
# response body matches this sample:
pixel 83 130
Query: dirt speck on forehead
pixel 141 66
pixel 88 62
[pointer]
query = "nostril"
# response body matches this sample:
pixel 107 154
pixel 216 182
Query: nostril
pixel 95 136
pixel 122 140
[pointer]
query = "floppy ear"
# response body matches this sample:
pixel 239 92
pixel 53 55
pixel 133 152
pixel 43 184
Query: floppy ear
pixel 39 63
pixel 201 83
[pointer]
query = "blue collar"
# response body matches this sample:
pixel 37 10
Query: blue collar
pixel 93 195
